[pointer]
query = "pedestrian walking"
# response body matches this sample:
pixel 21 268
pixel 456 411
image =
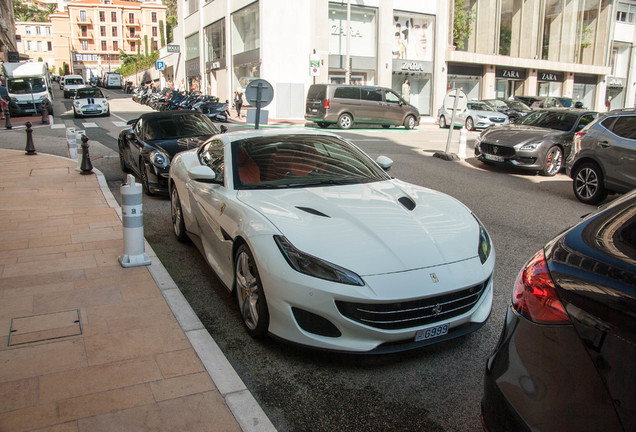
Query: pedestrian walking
pixel 238 101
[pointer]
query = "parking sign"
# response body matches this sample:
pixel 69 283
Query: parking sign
pixel 160 65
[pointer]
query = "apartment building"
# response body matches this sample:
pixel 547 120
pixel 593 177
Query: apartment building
pixel 34 40
pixel 90 34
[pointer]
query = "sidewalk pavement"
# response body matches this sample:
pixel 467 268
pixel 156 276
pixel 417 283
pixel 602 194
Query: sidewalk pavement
pixel 86 344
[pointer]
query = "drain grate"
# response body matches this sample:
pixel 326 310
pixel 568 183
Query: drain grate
pixel 38 328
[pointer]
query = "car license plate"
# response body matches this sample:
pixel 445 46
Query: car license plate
pixel 494 158
pixel 431 332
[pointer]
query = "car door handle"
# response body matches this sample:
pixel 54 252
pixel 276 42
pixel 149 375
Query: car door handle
pixel 604 144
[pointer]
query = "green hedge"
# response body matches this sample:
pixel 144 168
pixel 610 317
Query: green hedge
pixel 143 62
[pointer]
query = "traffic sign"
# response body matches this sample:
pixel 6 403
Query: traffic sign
pixel 161 65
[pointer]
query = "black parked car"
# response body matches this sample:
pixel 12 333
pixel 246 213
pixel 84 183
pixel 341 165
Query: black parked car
pixel 154 138
pixel 514 109
pixel 603 158
pixel 540 142
pixel 565 358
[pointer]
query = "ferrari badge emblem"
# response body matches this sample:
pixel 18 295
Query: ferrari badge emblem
pixel 434 278
pixel 222 209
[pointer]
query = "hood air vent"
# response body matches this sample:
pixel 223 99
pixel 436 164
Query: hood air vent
pixel 312 211
pixel 407 202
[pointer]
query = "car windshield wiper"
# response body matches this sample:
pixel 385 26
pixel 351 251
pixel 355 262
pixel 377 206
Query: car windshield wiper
pixel 330 182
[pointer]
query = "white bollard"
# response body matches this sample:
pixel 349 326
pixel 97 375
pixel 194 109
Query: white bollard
pixel 71 143
pixel 133 221
pixel 462 144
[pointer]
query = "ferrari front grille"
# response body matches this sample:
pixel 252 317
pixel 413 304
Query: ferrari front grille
pixel 413 313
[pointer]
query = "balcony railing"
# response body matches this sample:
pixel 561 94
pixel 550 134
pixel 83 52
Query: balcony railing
pixel 132 23
pixel 85 20
pixel 87 35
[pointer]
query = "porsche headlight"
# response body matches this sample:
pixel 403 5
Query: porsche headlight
pixel 484 248
pixel 530 146
pixel 159 159
pixel 316 267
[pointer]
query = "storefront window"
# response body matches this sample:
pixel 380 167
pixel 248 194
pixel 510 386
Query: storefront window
pixel 362 30
pixel 245 30
pixel 467 84
pixel 215 41
pixel 509 27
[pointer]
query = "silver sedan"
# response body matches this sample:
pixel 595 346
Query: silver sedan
pixel 477 115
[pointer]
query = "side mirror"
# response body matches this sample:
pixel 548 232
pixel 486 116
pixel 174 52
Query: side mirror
pixel 107 97
pixel 132 122
pixel 384 162
pixel 202 173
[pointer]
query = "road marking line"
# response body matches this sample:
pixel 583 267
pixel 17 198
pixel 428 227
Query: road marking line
pixel 90 125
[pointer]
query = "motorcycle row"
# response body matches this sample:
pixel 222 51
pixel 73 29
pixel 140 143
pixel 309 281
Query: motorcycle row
pixel 171 99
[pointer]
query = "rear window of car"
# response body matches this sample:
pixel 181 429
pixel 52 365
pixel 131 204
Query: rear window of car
pixel 316 92
pixel 624 126
pixel 347 93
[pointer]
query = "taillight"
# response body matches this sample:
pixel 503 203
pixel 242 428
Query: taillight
pixel 534 295
pixel 326 103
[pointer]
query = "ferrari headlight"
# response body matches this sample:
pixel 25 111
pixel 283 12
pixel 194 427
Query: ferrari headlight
pixel 484 248
pixel 316 267
pixel 159 159
pixel 531 146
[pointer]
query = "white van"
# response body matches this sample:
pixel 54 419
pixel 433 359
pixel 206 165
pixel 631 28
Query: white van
pixel 112 80
pixel 71 83
pixel 28 86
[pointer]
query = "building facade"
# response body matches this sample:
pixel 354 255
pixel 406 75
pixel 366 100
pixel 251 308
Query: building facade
pixel 35 41
pixel 510 48
pixel 89 36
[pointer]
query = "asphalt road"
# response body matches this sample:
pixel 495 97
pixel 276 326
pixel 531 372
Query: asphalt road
pixel 436 388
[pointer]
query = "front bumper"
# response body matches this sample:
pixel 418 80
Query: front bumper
pixel 92 110
pixel 319 313
pixel 541 378
pixel 504 155
pixel 157 179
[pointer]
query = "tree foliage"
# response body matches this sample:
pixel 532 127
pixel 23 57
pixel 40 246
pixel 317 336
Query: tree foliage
pixel 25 11
pixel 462 25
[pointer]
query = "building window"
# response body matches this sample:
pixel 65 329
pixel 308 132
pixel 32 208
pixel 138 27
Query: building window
pixel 215 41
pixel 84 45
pixel 154 17
pixel 84 30
pixel 131 18
pixel 154 31
pixel 115 46
pixel 132 32
pixel 104 48
pixel 193 6
pixel 102 16
pixel 102 30
pixel 155 46
pixel 83 16
pixel 48 31
pixel 245 29
pixel 49 46
pixel 38 30
pixel 27 30
pixel 113 17
pixel 192 46
pixel 625 13
pixel 133 46
pixel 114 31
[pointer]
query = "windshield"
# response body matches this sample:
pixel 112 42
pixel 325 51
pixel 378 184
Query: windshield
pixel 300 161
pixel 73 81
pixel 519 106
pixel 89 93
pixel 562 121
pixel 479 106
pixel 179 126
pixel 26 85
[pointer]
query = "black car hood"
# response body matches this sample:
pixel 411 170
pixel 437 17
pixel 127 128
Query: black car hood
pixel 511 135
pixel 173 146
pixel 593 266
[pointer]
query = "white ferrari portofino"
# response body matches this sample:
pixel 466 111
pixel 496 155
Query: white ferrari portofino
pixel 323 248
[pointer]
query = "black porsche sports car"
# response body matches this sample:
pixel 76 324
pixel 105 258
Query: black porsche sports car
pixel 147 147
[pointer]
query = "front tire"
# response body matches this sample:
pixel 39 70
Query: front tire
pixel 143 172
pixel 249 293
pixel 345 121
pixel 470 124
pixel 553 161
pixel 176 214
pixel 442 122
pixel 588 184
pixel 409 122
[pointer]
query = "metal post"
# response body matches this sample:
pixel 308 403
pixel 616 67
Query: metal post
pixel 7 118
pixel 259 91
pixel 45 111
pixel 452 124
pixel 30 148
pixel 348 55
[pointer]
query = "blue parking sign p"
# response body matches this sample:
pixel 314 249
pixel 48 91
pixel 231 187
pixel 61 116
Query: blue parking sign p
pixel 160 65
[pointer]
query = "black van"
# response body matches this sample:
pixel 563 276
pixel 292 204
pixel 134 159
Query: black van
pixel 345 105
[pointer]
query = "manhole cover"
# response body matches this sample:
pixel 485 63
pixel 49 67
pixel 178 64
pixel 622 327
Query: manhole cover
pixel 39 328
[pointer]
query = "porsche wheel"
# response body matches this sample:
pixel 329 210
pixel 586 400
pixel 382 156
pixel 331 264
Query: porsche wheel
pixel 249 293
pixel 177 215
pixel 143 172
pixel 122 161
pixel 553 161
